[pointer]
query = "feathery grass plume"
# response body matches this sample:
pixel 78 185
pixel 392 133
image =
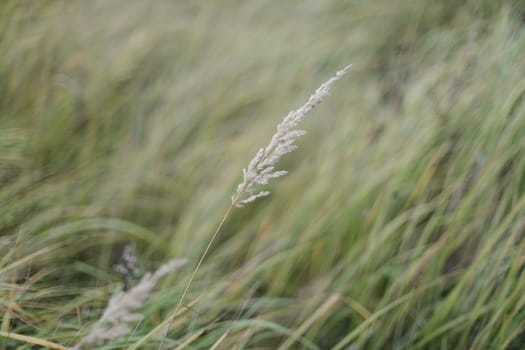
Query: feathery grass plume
pixel 261 168
pixel 121 310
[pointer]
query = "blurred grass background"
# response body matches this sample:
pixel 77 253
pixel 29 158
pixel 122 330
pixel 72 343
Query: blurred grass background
pixel 401 223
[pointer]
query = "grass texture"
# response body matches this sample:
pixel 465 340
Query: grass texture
pixel 401 222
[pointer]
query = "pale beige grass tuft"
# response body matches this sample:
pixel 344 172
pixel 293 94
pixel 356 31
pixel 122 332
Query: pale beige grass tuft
pixel 122 308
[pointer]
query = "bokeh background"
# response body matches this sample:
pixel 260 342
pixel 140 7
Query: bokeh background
pixel 400 224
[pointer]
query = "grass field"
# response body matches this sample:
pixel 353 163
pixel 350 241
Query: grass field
pixel 401 223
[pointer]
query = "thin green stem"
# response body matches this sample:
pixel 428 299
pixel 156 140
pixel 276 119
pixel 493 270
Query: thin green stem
pixel 196 270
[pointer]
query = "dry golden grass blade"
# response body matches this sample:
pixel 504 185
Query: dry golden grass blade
pixel 322 311
pixel 32 340
pixel 220 340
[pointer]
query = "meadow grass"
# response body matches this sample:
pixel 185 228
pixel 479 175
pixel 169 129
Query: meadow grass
pixel 400 225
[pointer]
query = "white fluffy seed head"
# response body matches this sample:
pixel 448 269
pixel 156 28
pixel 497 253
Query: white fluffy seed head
pixel 261 168
pixel 123 308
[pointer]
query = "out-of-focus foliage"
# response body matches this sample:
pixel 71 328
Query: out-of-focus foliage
pixel 400 224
